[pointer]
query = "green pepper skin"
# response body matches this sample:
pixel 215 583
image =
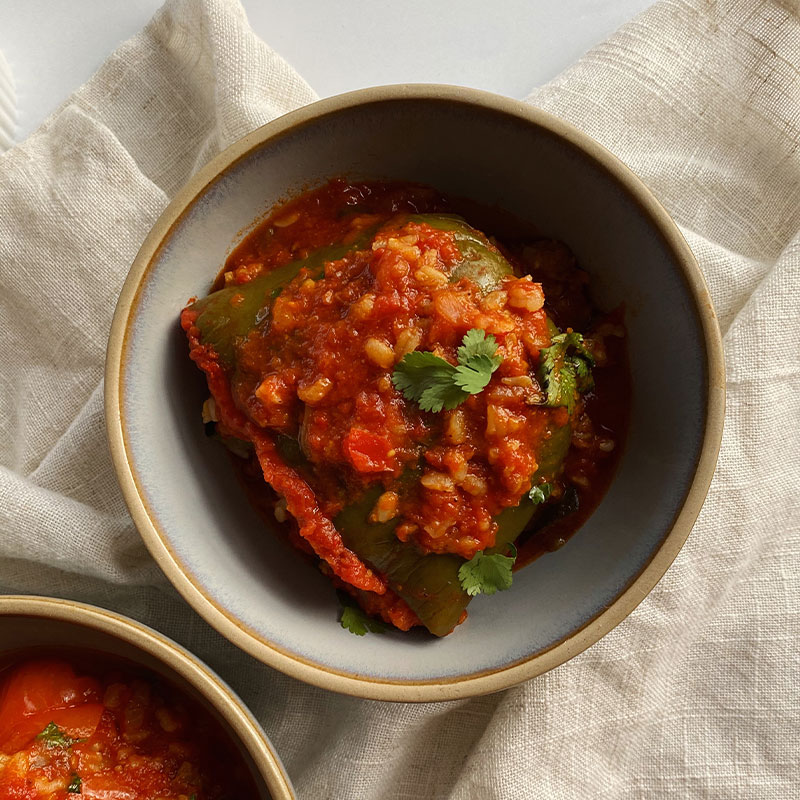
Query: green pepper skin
pixel 428 583
pixel 512 521
pixel 224 324
pixel 481 264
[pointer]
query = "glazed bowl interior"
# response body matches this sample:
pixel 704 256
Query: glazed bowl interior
pixel 31 627
pixel 193 514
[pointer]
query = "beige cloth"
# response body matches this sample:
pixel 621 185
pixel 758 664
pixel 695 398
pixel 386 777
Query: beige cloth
pixel 8 106
pixel 696 694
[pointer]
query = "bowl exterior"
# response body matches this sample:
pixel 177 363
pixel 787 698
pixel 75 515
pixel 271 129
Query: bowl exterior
pixel 29 623
pixel 192 514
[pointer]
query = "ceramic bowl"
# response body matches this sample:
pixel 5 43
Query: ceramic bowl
pixel 193 515
pixel 46 624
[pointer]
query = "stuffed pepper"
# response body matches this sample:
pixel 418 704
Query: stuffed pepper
pixel 414 400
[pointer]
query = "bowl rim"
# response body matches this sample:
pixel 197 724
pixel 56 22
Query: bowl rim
pixel 227 703
pixel 481 682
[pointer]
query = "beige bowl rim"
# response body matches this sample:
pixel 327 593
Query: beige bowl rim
pixel 180 660
pixel 485 682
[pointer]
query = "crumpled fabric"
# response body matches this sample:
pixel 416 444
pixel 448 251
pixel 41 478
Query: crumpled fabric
pixel 696 693
pixel 8 105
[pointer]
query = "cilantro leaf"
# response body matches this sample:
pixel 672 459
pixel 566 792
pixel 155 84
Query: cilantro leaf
pixel 442 395
pixel 562 387
pixel 419 371
pixel 53 736
pixel 435 384
pixel 565 369
pixel 476 343
pixel 358 622
pixel 582 366
pixel 473 376
pixel 74 785
pixel 538 494
pixel 484 574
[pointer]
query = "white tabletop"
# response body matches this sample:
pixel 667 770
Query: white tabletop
pixel 505 46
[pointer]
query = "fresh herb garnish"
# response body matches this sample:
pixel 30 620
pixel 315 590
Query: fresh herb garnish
pixel 355 620
pixel 74 785
pixel 358 622
pixel 53 736
pixel 435 384
pixel 540 493
pixel 475 344
pixel 565 368
pixel 428 380
pixel 484 574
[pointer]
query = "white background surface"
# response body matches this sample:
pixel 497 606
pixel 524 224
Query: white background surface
pixel 505 46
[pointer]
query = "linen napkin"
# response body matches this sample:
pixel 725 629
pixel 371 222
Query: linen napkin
pixel 696 693
pixel 8 104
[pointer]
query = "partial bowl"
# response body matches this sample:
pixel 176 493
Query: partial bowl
pixel 30 625
pixel 194 516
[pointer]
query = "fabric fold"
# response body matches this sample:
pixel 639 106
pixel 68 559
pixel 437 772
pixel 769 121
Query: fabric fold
pixel 8 105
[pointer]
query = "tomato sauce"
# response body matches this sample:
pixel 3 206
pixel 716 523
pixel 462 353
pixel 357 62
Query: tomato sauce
pixel 596 446
pixel 317 372
pixel 90 727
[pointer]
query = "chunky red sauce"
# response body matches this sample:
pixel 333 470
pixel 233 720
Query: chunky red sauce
pixel 317 372
pixel 88 728
pixel 596 445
